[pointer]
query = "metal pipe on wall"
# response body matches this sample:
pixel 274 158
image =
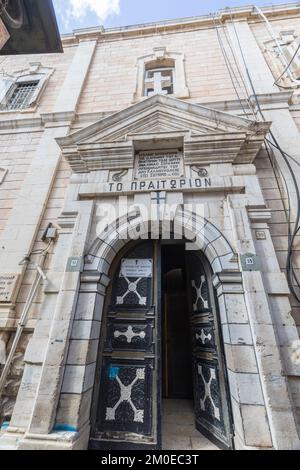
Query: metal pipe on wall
pixel 23 319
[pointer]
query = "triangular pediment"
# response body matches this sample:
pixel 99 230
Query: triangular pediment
pixel 205 131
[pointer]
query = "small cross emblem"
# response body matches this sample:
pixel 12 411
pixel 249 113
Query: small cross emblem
pixel 158 197
pixel 158 202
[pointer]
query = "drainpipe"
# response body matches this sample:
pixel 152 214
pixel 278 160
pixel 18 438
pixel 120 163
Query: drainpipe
pixel 273 35
pixel 23 319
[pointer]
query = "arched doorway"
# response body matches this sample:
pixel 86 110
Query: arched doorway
pixel 160 341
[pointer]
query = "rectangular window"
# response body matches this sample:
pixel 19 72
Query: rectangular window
pixel 21 96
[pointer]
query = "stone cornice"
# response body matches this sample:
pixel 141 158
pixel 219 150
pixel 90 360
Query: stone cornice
pixel 259 214
pixel 282 97
pixel 214 119
pixel 15 122
pixel 207 135
pixel 58 117
pixel 246 13
pixel 20 123
pixel 40 121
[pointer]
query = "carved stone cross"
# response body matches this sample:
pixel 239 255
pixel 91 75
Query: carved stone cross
pixel 158 82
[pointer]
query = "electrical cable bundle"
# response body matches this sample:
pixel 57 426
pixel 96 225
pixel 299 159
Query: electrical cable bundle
pixel 272 143
pixel 288 65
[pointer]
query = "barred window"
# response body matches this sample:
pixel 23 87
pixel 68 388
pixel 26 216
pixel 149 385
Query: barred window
pixel 21 96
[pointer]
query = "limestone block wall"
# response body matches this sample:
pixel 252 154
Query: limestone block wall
pixel 8 398
pixel 52 211
pixel 16 151
pixel 272 191
pixel 110 87
pixel 111 82
pixel 48 175
pixel 17 146
pixel 295 112
pixel 59 63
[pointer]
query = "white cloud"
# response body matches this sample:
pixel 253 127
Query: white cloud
pixel 102 8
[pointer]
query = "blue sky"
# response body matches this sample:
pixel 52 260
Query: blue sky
pixel 73 14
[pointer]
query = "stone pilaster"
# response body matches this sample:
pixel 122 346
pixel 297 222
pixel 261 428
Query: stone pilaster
pixel 247 401
pixel 18 239
pixel 242 39
pixel 267 350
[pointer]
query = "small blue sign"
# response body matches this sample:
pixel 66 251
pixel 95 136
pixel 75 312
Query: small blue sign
pixel 5 425
pixel 113 372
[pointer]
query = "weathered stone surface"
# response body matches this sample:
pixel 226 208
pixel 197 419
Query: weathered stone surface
pixel 256 427
pixel 94 105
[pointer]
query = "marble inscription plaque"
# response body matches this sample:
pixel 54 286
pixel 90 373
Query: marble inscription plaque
pixel 8 282
pixel 151 165
pixel 136 267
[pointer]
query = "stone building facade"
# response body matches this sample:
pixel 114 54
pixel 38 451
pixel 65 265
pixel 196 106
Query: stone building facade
pixel 142 197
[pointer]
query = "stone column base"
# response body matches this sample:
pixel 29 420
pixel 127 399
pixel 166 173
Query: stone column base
pixel 61 440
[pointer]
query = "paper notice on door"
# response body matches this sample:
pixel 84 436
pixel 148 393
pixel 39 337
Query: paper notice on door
pixel 136 267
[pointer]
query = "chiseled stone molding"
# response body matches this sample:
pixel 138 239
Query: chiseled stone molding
pixel 259 215
pixel 37 190
pixel 209 240
pixel 228 282
pixel 14 122
pixel 277 100
pixel 110 143
pixel 245 13
pixel 65 439
pixel 38 123
pixel 160 54
pixel 37 72
pixel 257 285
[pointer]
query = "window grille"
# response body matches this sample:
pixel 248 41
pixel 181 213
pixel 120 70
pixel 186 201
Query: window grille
pixel 21 96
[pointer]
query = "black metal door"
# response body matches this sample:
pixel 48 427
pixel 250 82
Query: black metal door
pixel 212 409
pixel 128 392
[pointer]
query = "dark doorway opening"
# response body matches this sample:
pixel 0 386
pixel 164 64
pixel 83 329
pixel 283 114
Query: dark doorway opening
pixel 177 375
pixel 160 335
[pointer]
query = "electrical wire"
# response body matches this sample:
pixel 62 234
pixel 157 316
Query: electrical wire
pixel 287 155
pixel 228 65
pixel 24 316
pixel 289 64
pixel 290 269
pixel 276 168
pixel 238 69
pixel 27 258
pixel 291 237
pixel 275 38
